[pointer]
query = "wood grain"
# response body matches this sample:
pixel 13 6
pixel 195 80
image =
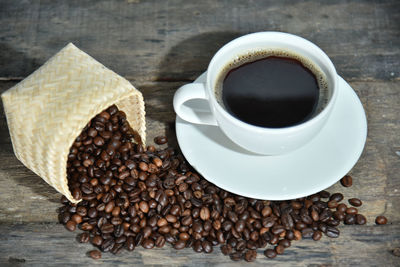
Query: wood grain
pixel 174 40
pixel 161 45
pixel 41 244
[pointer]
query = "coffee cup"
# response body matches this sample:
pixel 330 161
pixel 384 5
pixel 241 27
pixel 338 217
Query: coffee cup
pixel 246 104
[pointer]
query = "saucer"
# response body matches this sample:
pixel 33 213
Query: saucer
pixel 312 168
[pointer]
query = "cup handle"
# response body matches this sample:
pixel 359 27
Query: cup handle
pixel 188 92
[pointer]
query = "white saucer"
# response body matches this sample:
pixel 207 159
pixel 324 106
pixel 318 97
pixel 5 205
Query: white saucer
pixel 310 169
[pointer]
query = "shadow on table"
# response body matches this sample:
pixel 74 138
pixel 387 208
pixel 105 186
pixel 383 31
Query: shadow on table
pixel 183 64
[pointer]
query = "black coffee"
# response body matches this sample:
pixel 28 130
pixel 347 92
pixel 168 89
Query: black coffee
pixel 274 91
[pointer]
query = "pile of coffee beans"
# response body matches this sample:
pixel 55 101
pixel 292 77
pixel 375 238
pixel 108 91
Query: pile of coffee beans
pixel 133 196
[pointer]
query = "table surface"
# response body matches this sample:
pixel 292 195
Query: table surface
pixel 161 45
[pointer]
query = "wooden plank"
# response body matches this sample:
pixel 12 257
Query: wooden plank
pixel 37 244
pixel 375 175
pixel 174 40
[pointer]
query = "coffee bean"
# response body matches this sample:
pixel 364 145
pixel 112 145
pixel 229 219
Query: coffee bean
pixel 180 244
pixel 396 252
pixel 226 249
pixel 160 241
pixel 197 246
pixel 144 206
pixel 148 243
pixel 279 249
pixel 266 211
pixel 285 243
pixel 332 204
pixel 351 210
pixel 381 220
pixel 95 254
pixel 83 238
pixel 317 235
pixel 350 219
pixel 338 215
pixel 236 256
pixel 332 232
pixel 250 255
pixel 108 244
pixel 64 217
pixel 207 247
pixel 360 219
pixel 204 213
pixel 307 232
pixel 336 197
pixel 239 226
pixel 355 202
pixel 107 228
pixel 341 207
pixel 346 181
pixel 160 140
pixel 130 243
pixel 270 253
pixel 70 225
pixel 241 245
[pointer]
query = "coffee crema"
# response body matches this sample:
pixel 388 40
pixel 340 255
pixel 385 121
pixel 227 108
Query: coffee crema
pixel 272 88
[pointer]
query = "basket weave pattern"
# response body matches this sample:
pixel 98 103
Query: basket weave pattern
pixel 48 110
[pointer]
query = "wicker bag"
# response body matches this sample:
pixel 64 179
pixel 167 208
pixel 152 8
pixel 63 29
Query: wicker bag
pixel 48 110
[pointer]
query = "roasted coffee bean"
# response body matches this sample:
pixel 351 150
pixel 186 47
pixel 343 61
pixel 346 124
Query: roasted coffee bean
pixel 226 249
pixel 107 228
pixel 160 140
pixel 346 181
pixel 360 219
pixel 241 245
pixel 279 249
pixel 148 243
pixel 70 225
pixel 336 197
pixel 180 244
pixel 332 232
pixel 83 238
pixel 350 219
pixel 351 210
pixel 285 243
pixel 250 255
pixel 160 241
pixel 338 215
pixel 332 204
pixel 270 253
pixel 341 207
pixel 240 226
pixel 355 202
pixel 207 246
pixel 197 246
pixel 307 232
pixel 317 235
pixel 381 220
pixel 204 213
pixel 64 217
pixel 396 252
pixel 97 240
pixel 108 244
pixel 236 256
pixel 95 254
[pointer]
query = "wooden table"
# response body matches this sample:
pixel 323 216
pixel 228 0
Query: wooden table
pixel 160 45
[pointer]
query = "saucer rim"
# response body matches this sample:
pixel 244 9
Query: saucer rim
pixel 357 152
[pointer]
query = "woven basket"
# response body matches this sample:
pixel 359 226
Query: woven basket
pixel 48 110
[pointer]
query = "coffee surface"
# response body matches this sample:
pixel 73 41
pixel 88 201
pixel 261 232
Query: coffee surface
pixel 271 92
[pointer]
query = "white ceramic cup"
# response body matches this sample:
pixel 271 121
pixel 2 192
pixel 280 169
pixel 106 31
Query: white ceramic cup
pixel 261 140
